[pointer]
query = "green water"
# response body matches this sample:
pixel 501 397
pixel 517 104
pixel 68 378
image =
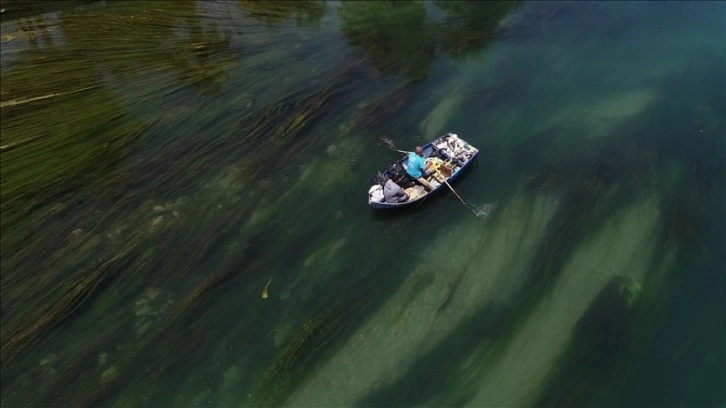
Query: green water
pixel 184 217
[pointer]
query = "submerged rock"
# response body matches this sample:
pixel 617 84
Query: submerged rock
pixel 102 359
pixel 156 223
pixel 142 328
pixel 230 377
pixel 152 304
pixel 57 208
pixel 629 290
pixel 77 233
pixel 143 310
pixel 47 360
pixel 282 333
pixel 109 374
pixel 141 303
pixel 151 293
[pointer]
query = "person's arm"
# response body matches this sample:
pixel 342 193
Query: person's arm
pixel 424 171
pixel 401 194
pixel 421 164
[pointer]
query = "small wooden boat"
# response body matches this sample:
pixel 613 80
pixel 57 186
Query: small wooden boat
pixel 449 156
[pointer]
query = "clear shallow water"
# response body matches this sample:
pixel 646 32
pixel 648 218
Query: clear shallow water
pixel 164 168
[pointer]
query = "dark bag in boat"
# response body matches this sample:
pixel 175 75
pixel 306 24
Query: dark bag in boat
pixel 399 175
pixel 380 179
pixel 406 181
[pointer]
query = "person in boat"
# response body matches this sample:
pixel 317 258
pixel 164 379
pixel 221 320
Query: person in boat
pixel 416 167
pixel 393 193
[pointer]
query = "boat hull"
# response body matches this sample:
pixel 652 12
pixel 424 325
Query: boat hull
pixel 428 149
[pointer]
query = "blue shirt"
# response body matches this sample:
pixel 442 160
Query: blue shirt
pixel 415 165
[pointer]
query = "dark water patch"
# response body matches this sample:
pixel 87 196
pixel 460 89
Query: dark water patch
pixel 686 218
pixel 666 340
pixel 598 348
pixel 688 125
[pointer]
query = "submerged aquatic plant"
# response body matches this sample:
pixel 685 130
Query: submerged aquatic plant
pixel 276 13
pixel 469 25
pixel 275 132
pixel 177 338
pixel 132 118
pixel 692 202
pixel 311 343
pixel 70 303
pixel 377 112
pixel 588 189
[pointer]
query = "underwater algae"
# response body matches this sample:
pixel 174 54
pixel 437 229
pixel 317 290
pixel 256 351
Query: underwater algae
pixel 182 163
pixel 211 237
pixel 283 121
pixel 598 346
pixel 70 302
pixel 517 374
pixel 384 107
pixel 605 182
pixel 489 330
pixel 25 194
pixel 170 344
pixel 310 343
pixel 279 12
pixel 411 322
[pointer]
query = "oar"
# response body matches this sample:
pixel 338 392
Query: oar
pixel 454 191
pixel 389 144
pixel 442 177
pixel 396 150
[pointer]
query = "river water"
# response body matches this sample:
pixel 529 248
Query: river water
pixel 184 217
